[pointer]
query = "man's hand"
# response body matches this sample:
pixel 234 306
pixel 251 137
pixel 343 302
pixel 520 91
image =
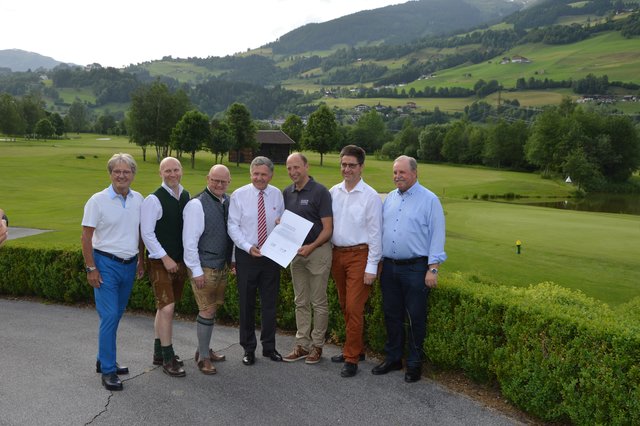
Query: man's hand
pixel 305 250
pixel 431 279
pixel 169 264
pixel 255 251
pixel 94 278
pixel 369 279
pixel 199 281
pixel 140 267
pixel 4 233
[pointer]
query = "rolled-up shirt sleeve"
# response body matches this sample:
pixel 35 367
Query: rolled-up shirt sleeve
pixel 437 226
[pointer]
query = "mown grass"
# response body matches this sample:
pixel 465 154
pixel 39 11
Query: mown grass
pixel 45 185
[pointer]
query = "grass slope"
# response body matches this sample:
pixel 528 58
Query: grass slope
pixel 45 185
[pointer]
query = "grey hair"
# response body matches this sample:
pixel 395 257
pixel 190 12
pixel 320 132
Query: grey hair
pixel 122 157
pixel 413 164
pixel 262 161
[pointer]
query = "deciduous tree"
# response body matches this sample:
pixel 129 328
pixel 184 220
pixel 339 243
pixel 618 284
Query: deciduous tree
pixel 241 127
pixel 321 132
pixel 191 133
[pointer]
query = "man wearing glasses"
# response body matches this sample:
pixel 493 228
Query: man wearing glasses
pixel 110 245
pixel 207 252
pixel 357 248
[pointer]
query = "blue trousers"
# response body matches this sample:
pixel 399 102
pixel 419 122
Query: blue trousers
pixel 111 300
pixel 404 295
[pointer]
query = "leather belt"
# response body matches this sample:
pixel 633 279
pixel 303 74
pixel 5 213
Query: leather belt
pixel 116 258
pixel 351 248
pixel 411 261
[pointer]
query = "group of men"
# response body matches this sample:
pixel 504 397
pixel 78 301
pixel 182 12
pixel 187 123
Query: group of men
pixel 354 238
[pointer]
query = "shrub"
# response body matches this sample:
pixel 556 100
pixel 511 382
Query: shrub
pixel 555 353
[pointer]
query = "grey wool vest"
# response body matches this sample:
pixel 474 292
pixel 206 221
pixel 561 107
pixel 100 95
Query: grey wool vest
pixel 214 246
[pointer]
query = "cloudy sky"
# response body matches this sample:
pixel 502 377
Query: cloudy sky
pixel 122 32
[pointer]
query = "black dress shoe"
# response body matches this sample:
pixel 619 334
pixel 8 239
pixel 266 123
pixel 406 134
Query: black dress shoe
pixel 340 358
pixel 273 355
pixel 111 382
pixel 119 369
pixel 412 374
pixel 249 358
pixel 349 369
pixel 386 366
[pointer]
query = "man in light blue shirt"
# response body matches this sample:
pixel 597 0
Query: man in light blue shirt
pixel 413 234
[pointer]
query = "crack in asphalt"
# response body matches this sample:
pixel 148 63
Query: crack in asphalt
pixel 146 371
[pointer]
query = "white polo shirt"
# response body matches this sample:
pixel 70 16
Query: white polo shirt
pixel 116 221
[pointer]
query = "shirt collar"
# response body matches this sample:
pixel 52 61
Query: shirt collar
pixel 409 191
pixel 113 194
pixel 170 191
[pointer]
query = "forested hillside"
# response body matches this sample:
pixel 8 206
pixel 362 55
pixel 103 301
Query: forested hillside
pixel 394 24
pixel 443 68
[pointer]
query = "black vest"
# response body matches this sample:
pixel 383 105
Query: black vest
pixel 169 226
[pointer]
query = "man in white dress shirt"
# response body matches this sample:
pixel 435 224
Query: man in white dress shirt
pixel 254 271
pixel 161 229
pixel 357 249
pixel 207 254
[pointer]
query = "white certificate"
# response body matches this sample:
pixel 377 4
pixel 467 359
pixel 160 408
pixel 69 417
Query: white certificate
pixel 286 238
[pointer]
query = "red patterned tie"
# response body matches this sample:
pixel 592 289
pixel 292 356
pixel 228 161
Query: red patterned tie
pixel 262 221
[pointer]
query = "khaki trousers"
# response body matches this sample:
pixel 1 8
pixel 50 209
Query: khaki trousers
pixel 310 276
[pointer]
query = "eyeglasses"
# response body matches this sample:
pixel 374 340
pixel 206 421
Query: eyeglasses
pixel 121 172
pixel 351 166
pixel 219 182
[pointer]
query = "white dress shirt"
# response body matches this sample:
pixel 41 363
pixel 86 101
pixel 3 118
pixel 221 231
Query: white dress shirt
pixel 151 213
pixel 243 214
pixel 357 219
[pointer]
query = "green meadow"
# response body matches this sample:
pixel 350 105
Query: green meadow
pixel 608 53
pixel 45 185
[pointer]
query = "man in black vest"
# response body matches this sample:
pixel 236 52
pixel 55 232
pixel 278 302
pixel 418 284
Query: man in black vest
pixel 207 252
pixel 161 228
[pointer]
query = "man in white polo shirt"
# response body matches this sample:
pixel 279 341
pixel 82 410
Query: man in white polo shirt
pixel 110 245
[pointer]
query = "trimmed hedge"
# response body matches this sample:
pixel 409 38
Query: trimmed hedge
pixel 555 353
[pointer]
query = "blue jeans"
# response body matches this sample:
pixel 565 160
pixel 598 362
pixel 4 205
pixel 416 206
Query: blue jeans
pixel 111 300
pixel 404 295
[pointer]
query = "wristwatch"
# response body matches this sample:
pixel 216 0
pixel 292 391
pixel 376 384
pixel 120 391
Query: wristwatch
pixel 434 271
pixel 90 269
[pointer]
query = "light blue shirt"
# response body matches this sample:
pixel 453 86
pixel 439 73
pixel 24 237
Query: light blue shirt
pixel 413 225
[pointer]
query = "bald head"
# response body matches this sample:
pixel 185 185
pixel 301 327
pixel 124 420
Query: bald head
pixel 171 173
pixel 218 180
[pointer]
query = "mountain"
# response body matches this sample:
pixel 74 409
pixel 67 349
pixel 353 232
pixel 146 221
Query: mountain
pixel 395 24
pixel 21 60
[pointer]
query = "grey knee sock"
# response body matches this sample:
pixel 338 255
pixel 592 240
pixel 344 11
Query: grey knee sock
pixel 204 330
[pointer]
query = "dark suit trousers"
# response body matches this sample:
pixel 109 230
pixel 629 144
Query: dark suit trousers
pixel 253 275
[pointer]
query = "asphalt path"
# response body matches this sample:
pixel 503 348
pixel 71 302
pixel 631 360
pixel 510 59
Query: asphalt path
pixel 48 378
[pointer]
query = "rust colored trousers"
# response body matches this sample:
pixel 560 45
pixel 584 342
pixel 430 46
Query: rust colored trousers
pixel 347 269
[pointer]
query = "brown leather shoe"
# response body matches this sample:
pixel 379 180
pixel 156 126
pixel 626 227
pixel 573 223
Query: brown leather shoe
pixel 213 357
pixel 206 367
pixel 173 369
pixel 157 360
